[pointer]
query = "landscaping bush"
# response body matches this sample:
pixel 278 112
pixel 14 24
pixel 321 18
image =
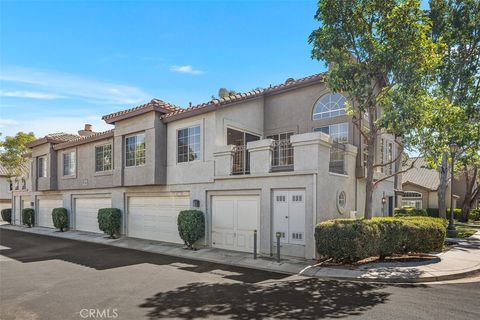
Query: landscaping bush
pixel 191 226
pixel 7 215
pixel 109 220
pixel 409 211
pixel 28 217
pixel 475 214
pixel 60 218
pixel 347 240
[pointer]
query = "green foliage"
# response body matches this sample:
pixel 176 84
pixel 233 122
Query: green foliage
pixel 60 218
pixel 475 214
pixel 109 220
pixel 7 215
pixel 347 240
pixel 28 217
pixel 191 226
pixel 409 211
pixel 13 152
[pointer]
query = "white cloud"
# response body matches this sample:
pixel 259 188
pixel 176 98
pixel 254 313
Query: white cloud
pixel 30 94
pixel 74 86
pixel 7 122
pixel 45 125
pixel 185 69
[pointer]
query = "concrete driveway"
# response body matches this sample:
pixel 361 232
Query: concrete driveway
pixel 51 278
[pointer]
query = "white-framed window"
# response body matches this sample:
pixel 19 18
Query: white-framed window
pixel 42 167
pixel 382 154
pixel 338 131
pixel 103 157
pixel 329 106
pixel 188 144
pixel 24 184
pixel 412 199
pixel 390 157
pixel 135 150
pixel 69 163
pixel 342 200
pixel 283 150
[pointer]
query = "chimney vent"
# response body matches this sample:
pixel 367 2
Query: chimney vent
pixel 88 127
pixel 87 131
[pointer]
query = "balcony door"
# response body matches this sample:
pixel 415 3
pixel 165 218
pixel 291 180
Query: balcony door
pixel 241 159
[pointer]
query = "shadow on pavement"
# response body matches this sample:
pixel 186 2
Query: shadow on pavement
pixel 26 247
pixel 304 299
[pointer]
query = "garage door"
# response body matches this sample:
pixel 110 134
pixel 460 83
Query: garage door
pixel 155 218
pixel 86 212
pixel 234 218
pixel 45 207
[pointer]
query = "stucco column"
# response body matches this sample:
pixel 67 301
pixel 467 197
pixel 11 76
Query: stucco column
pixel 350 159
pixel 118 161
pixel 223 156
pixel 260 156
pixel 311 151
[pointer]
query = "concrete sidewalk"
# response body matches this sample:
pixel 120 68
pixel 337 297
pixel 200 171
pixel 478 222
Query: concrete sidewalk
pixel 460 261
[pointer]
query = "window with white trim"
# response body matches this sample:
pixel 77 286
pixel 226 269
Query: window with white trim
pixel 188 144
pixel 412 199
pixel 135 150
pixel 382 154
pixel 342 200
pixel 69 163
pixel 329 106
pixel 103 157
pixel 338 131
pixel 390 157
pixel 42 167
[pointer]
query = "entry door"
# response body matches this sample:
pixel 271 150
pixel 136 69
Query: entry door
pixel 234 219
pixel 289 216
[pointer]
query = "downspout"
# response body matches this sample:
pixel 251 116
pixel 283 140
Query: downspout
pixel 314 209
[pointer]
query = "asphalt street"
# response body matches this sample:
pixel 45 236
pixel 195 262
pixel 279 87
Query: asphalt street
pixel 51 278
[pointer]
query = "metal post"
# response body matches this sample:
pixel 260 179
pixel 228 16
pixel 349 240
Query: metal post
pixel 255 244
pixel 278 246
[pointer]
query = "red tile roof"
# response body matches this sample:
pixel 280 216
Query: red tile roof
pixel 239 97
pixel 85 139
pixel 153 105
pixel 52 138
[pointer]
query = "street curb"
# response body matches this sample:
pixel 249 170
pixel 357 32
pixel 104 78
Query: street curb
pixel 396 280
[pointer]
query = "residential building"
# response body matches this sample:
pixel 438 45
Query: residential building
pixel 275 160
pixel 6 187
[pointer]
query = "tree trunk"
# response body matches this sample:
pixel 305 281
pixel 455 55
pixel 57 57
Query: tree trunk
pixel 442 187
pixel 372 137
pixel 397 181
pixel 469 191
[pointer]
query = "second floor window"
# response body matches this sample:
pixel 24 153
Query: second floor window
pixel 69 163
pixel 188 144
pixel 338 132
pixel 135 150
pixel 329 106
pixel 42 167
pixel 103 158
pixel 283 151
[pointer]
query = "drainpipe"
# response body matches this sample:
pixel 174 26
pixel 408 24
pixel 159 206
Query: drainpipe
pixel 314 209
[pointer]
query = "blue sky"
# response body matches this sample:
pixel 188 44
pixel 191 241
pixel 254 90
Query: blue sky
pixel 63 64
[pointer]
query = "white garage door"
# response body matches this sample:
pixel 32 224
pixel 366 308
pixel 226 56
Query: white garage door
pixel 234 218
pixel 155 218
pixel 45 207
pixel 86 212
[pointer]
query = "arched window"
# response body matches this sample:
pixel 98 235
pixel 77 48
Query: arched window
pixel 329 106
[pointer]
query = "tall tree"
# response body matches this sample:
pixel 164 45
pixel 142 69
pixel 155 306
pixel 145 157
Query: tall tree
pixel 373 48
pixel 13 152
pixel 456 24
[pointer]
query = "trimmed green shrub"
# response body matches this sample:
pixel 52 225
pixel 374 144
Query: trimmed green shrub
pixel 28 217
pixel 475 214
pixel 348 240
pixel 60 218
pixel 409 211
pixel 7 215
pixel 191 226
pixel 109 220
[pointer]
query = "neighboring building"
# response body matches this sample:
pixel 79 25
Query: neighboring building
pixel 21 196
pixel 5 189
pixel 279 159
pixel 420 186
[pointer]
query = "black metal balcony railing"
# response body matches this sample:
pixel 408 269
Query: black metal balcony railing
pixel 241 160
pixel 282 155
pixel 337 158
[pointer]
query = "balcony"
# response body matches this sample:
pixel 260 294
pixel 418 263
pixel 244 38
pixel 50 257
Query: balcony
pixel 308 152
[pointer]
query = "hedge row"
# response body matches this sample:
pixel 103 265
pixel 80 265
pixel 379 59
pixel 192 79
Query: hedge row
pixel 433 212
pixel 7 215
pixel 409 211
pixel 347 240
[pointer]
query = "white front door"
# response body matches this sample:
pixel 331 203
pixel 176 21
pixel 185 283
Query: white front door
pixel 289 216
pixel 45 207
pixel 155 218
pixel 234 219
pixel 86 213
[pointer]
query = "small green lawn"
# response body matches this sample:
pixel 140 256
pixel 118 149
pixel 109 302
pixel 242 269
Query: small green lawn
pixel 464 231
